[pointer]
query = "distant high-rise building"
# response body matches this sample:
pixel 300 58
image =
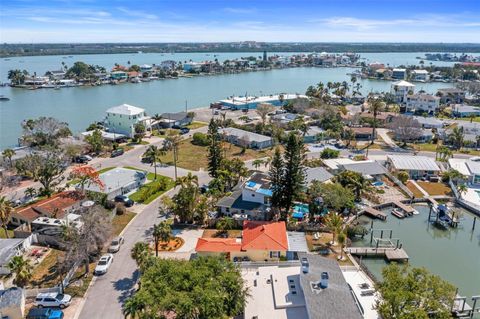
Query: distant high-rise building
pixel 265 56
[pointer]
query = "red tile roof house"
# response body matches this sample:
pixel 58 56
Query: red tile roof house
pixel 261 241
pixel 56 206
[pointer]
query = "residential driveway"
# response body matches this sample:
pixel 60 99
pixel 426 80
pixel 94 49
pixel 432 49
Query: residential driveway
pixel 190 236
pixel 382 132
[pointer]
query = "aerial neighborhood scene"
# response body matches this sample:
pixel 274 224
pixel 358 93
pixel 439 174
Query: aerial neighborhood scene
pixel 247 160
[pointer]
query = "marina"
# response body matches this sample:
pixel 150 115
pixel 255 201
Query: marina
pixel 426 245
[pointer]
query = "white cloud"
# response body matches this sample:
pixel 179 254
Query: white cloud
pixel 240 10
pixel 137 13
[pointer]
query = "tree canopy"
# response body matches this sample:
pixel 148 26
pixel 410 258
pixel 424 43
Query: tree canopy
pixel 202 288
pixel 409 293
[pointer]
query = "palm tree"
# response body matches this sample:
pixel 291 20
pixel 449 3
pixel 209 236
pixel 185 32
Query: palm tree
pixel 462 189
pixel 375 105
pixel 354 181
pixel 22 270
pixel 140 253
pixel 8 153
pixel 132 307
pixel 153 154
pixel 456 137
pixel 341 238
pixel 156 237
pixel 171 143
pixel 257 163
pixel 334 222
pixel 225 224
pixel 30 192
pixel 187 181
pixel 5 212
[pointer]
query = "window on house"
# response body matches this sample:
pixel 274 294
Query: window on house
pixel 227 209
pixel 274 254
pixel 242 211
pixel 253 195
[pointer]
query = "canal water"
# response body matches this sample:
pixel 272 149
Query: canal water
pixel 453 254
pixel 80 106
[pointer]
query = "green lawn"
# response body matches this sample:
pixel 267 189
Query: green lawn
pixel 45 274
pixel 9 231
pixel 195 125
pixel 150 191
pixel 194 157
pixel 119 222
pixel 106 169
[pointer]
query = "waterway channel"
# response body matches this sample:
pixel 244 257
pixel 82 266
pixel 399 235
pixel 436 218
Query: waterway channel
pixel 79 106
pixel 453 254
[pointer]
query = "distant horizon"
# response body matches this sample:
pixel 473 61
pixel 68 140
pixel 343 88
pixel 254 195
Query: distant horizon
pixel 244 41
pixel 213 21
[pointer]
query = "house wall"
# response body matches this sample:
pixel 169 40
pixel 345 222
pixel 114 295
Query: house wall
pixel 13 312
pixel 253 255
pixel 252 196
pixel 422 104
pixel 123 124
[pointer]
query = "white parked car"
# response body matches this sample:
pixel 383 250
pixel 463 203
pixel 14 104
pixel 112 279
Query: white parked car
pixel 115 245
pixel 103 264
pixel 53 300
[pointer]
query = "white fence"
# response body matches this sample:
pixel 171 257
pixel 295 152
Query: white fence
pixel 465 204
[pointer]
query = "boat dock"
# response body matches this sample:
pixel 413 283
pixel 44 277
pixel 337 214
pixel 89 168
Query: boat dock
pixel 390 253
pixel 375 213
pixel 406 208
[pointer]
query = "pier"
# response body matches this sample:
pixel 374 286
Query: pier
pixel 375 213
pixel 390 253
pixel 406 208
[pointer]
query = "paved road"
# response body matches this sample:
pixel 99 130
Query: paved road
pixel 107 294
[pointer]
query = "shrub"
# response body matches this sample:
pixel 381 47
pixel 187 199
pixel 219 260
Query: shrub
pixel 200 139
pixel 109 204
pixel 329 153
pixel 403 176
pixel 121 209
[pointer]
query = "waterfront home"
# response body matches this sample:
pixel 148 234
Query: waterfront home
pixel 107 136
pixel 420 75
pixel 286 291
pixel 36 80
pixel 451 95
pixel 146 68
pixel 123 118
pixel 57 206
pixel 12 303
pixel 118 181
pixel 56 74
pixel 192 67
pixel 468 167
pixel 422 102
pixel 245 138
pixel 251 102
pixel 370 169
pixel 175 119
pixel 261 241
pixel 250 198
pixel 383 118
pixel 399 74
pixel 463 110
pixel 416 166
pixel 401 90
pixel 168 65
pixel 8 249
pixel 119 75
pixel 429 122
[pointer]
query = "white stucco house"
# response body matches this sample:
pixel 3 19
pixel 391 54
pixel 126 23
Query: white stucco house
pixel 122 119
pixel 422 102
pixel 401 89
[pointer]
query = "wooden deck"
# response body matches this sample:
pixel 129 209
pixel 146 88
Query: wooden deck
pixel 391 253
pixel 375 213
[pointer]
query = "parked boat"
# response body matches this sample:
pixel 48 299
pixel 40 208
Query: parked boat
pixel 398 213
pixel 4 98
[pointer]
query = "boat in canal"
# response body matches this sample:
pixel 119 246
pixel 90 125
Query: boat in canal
pixel 4 98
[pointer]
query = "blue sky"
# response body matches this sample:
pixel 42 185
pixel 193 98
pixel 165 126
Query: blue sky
pixel 34 21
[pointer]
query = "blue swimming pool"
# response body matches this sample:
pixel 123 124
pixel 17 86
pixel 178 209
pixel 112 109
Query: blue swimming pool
pixel 299 211
pixel 378 184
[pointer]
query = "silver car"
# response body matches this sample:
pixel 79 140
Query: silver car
pixel 53 300
pixel 115 245
pixel 103 264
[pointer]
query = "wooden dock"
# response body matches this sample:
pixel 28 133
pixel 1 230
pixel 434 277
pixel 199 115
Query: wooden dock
pixel 375 213
pixel 390 253
pixel 406 208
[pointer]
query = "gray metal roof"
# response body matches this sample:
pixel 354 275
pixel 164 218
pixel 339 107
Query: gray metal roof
pixel 463 108
pixel 174 116
pixel 473 167
pixel 8 249
pixel 318 174
pixel 334 302
pixel 429 121
pixel 11 297
pixel 410 162
pixel 297 241
pixel 252 137
pixel 115 179
pixel 366 168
